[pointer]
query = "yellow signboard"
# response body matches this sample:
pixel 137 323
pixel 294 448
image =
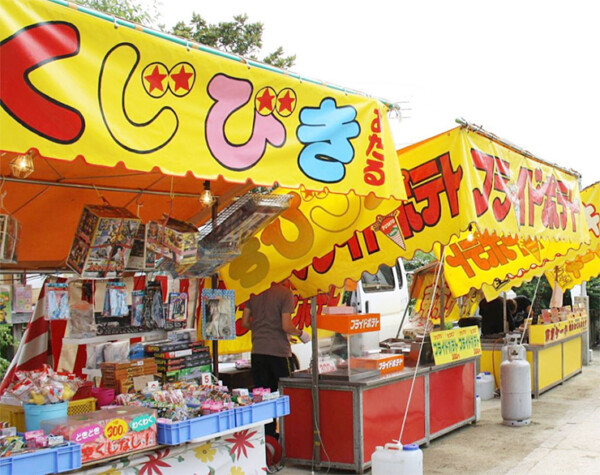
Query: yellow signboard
pixel 551 332
pixel 455 345
pixel 580 265
pixel 460 183
pixel 75 83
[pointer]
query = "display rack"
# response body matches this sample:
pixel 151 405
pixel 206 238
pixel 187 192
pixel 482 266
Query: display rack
pixel 151 335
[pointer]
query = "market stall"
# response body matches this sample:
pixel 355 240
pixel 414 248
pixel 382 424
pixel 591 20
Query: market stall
pixel 494 215
pixel 558 339
pixel 113 137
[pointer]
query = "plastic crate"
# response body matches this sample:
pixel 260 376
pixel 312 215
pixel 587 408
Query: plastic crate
pixel 184 431
pixel 43 461
pixel 14 415
pixel 82 406
pixel 262 411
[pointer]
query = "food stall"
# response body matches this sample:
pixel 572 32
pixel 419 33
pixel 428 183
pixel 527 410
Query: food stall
pixel 113 134
pixel 490 212
pixel 558 342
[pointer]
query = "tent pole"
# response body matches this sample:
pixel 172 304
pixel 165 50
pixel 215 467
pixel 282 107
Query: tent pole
pixel 215 284
pixel 315 384
pixel 442 296
pixel 504 319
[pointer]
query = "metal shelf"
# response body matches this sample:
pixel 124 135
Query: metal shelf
pixel 151 335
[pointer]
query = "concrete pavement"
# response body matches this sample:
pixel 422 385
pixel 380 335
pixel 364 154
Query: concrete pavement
pixel 563 438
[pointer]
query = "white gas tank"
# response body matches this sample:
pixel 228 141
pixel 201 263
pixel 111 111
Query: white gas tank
pixel 515 388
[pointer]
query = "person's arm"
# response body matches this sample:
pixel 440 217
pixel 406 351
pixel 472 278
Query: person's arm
pixel 246 323
pixel 290 329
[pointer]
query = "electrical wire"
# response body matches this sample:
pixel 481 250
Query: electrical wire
pixel 530 309
pixel 412 384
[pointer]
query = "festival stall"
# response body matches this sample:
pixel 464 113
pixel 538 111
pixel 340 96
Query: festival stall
pixel 490 212
pixel 558 340
pixel 112 136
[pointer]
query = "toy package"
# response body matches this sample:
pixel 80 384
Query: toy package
pixel 178 307
pixel 137 308
pixel 175 240
pixel 10 233
pixel 142 257
pixel 153 311
pixel 22 298
pixel 115 300
pixel 56 301
pixel 103 241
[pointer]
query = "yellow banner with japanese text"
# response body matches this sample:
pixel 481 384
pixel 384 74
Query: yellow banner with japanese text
pixel 74 82
pixel 454 345
pixel 550 332
pixel 582 264
pixel 460 183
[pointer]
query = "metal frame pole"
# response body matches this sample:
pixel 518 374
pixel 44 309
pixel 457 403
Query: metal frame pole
pixel 315 384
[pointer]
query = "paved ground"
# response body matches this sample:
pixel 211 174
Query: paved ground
pixel 563 438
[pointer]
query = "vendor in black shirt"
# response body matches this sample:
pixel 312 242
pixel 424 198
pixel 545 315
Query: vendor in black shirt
pixel 492 320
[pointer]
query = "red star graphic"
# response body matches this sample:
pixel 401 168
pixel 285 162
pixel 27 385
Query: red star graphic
pixel 266 101
pixel 286 102
pixel 155 79
pixel 182 79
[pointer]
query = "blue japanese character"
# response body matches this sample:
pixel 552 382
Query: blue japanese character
pixel 327 131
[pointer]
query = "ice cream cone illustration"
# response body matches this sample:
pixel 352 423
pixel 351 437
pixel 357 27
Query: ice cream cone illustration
pixel 389 226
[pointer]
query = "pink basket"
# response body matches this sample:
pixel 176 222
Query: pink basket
pixel 105 396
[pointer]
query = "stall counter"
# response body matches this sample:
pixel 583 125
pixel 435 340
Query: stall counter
pixel 551 364
pixel 357 416
pixel 241 450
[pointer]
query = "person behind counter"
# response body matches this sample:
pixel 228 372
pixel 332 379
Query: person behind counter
pixel 492 316
pixel 523 308
pixel 269 316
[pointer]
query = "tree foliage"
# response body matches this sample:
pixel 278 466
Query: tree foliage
pixel 239 37
pixel 131 10
pixel 419 260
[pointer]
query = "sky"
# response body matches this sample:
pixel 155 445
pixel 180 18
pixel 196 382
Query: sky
pixel 527 71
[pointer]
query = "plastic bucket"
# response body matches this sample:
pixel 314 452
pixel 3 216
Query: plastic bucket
pixel 397 460
pixel 485 386
pixel 34 414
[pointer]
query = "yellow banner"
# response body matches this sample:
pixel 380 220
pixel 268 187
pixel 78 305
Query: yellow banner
pixel 74 83
pixel 495 263
pixel 305 234
pixel 460 183
pixel 422 290
pixel 461 178
pixel 455 345
pixel 550 332
pixel 582 264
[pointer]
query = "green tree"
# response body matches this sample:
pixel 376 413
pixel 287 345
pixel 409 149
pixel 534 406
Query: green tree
pixel 238 37
pixel 6 345
pixel 419 260
pixel 130 10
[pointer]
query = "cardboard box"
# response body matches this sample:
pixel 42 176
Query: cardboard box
pixel 10 233
pixel 103 241
pixel 176 240
pixel 141 257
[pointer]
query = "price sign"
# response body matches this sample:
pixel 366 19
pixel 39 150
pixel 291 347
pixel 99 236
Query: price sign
pixel 206 379
pixel 143 422
pixel 115 429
